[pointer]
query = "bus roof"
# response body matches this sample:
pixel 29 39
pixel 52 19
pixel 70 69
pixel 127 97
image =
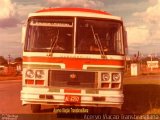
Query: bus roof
pixel 74 10
pixel 78 12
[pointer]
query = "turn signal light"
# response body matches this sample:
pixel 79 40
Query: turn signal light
pixel 105 85
pixel 42 96
pixel 39 82
pixel 49 97
pixel 115 85
pixel 29 82
pixel 99 98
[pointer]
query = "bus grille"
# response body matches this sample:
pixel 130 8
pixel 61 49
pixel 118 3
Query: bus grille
pixel 77 79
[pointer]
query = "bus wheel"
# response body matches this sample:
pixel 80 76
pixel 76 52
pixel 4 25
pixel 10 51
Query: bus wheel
pixel 100 110
pixel 35 108
pixel 116 111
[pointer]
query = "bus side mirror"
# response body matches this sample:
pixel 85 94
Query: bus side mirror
pixel 23 33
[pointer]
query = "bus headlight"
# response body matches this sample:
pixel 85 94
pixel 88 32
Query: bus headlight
pixel 40 74
pixel 29 73
pixel 116 77
pixel 105 76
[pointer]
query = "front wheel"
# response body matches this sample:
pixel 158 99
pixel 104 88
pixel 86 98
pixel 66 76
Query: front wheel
pixel 35 108
pixel 105 110
pixel 116 111
pixel 99 110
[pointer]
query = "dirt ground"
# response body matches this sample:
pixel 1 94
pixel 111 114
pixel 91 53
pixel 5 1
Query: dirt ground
pixel 11 77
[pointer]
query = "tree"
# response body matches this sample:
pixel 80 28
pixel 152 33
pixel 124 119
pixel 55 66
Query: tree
pixel 3 61
pixel 18 60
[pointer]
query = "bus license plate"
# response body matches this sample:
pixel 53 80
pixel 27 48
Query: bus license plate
pixel 72 99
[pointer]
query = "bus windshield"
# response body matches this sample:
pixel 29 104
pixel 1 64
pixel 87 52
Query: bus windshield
pixel 61 35
pixel 50 34
pixel 96 36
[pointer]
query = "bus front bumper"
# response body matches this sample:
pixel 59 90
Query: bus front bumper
pixel 47 97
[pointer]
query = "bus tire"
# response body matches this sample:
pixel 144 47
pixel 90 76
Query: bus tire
pixel 35 108
pixel 100 110
pixel 116 111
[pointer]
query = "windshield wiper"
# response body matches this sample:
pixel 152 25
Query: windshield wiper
pixel 53 44
pixel 97 40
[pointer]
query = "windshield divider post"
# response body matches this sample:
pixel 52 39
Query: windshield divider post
pixel 75 33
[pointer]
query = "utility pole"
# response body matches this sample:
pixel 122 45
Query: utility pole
pixel 9 60
pixel 151 62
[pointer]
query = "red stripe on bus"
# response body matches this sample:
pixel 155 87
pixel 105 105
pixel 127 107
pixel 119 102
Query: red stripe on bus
pixel 71 63
pixel 71 91
pixel 73 10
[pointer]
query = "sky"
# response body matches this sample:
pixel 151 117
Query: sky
pixel 141 19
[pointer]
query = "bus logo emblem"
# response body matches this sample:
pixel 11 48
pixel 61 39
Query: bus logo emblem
pixel 73 76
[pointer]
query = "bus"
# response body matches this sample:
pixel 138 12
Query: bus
pixel 73 57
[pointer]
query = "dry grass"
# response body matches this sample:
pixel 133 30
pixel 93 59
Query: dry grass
pixel 154 111
pixel 141 99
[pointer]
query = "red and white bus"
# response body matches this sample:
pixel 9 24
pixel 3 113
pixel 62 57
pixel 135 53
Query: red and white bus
pixel 73 56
